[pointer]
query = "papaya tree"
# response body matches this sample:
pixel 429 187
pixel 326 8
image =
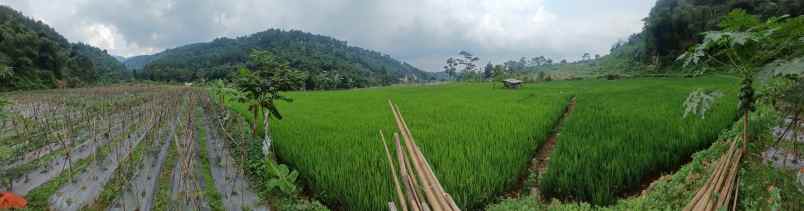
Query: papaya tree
pixel 261 83
pixel 743 46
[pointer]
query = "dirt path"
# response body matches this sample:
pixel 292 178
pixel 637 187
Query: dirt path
pixel 539 163
pixel 140 194
pixel 89 184
pixel 229 179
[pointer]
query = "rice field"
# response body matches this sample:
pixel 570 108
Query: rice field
pixel 619 136
pixel 479 139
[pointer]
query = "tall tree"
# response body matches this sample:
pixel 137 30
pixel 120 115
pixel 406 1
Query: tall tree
pixel 488 71
pixel 451 67
pixel 468 61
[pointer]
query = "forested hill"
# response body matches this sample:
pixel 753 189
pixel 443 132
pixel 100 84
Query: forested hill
pixel 329 63
pixel 107 67
pixel 34 56
pixel 675 25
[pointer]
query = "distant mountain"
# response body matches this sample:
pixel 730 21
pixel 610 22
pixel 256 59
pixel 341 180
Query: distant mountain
pixel 34 56
pixel 329 63
pixel 120 59
pixel 138 62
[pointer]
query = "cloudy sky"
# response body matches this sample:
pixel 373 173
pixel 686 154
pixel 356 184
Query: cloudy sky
pixel 421 32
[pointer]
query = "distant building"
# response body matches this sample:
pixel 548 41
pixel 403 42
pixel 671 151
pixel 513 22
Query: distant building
pixel 512 83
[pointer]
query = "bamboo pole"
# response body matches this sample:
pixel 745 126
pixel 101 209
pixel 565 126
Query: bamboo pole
pixel 401 197
pixel 410 185
pixel 701 195
pixel 417 165
pixel 434 191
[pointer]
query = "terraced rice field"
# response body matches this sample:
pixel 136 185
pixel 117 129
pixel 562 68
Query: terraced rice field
pixel 479 139
pixel 105 148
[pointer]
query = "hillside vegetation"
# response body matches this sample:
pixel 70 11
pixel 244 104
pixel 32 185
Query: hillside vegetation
pixel 34 56
pixel 327 62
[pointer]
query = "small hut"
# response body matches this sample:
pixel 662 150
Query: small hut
pixel 512 83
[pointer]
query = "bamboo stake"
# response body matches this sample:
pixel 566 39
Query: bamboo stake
pixel 428 189
pixel 434 192
pixel 444 198
pixel 401 197
pixel 410 184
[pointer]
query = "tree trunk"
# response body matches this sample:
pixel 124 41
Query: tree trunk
pixel 266 142
pixel 745 129
pixel 254 125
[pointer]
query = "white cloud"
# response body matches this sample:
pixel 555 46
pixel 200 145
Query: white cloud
pixel 422 32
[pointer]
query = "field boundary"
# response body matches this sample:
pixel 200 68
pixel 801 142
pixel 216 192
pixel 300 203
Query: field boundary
pixel 538 163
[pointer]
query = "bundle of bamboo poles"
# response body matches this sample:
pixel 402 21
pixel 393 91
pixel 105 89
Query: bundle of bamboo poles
pixel 419 189
pixel 721 188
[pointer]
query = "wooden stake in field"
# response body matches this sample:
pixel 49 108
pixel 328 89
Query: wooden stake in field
pixel 435 198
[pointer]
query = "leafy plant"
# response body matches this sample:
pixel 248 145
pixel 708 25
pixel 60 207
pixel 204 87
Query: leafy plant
pixel 280 177
pixel 700 101
pixel 743 45
pixel 262 86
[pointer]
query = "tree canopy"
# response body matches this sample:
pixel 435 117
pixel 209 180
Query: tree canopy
pixel 34 56
pixel 327 63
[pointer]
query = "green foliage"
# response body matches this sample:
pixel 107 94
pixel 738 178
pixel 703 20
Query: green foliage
pixel 280 177
pixel 107 68
pixel 700 101
pixel 34 56
pixel 675 25
pixel 746 43
pixel 327 63
pixel 3 104
pixel 517 204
